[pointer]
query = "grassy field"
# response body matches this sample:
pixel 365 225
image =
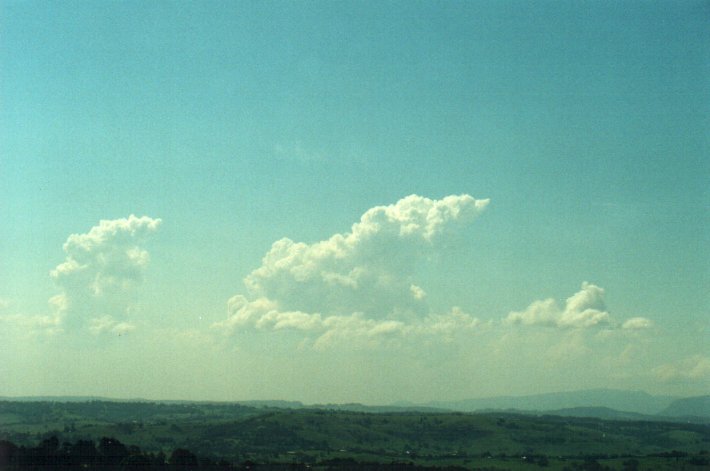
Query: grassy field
pixel 311 436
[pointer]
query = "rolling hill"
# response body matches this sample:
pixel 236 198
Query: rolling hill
pixel 698 406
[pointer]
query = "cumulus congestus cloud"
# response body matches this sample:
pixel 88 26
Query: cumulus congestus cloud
pixel 356 285
pixel 100 273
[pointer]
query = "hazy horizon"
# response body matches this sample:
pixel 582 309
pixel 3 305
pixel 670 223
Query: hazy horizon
pixel 396 403
pixel 334 202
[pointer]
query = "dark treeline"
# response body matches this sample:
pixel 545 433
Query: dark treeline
pixel 111 454
pixel 107 454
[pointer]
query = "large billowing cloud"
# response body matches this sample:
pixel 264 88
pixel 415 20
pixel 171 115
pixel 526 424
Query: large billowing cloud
pixel 359 287
pixel 585 308
pixel 357 284
pixel 99 276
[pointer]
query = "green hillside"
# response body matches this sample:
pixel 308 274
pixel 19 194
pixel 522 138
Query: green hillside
pixel 239 433
pixel 698 406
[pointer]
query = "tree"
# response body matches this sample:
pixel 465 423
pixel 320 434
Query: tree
pixel 159 459
pixel 136 463
pixel 630 465
pixel 50 445
pixel 8 453
pixel 183 459
pixel 112 451
pixel 83 453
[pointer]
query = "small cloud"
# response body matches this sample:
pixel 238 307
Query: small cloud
pixel 637 323
pixel 297 152
pixel 449 325
pixel 31 324
pixel 357 330
pixel 417 292
pixel 28 324
pixel 583 309
pixel 571 346
pixel 107 324
pixel 545 312
pixel 692 369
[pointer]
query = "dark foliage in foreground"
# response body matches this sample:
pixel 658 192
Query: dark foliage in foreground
pixel 107 454
pixel 111 454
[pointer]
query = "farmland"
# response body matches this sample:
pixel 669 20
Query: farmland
pixel 239 434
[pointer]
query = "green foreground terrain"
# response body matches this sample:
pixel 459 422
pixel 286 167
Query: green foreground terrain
pixel 330 439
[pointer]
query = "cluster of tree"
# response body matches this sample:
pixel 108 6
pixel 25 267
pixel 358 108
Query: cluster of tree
pixel 112 455
pixel 108 454
pixel 349 464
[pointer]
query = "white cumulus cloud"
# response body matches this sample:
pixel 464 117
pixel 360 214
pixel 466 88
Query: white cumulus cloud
pixel 356 284
pixel 585 308
pixel 637 323
pixel 101 270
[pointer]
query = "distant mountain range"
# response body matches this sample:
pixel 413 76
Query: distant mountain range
pixel 628 401
pixel 62 399
pixel 598 403
pixel 698 406
pixel 600 413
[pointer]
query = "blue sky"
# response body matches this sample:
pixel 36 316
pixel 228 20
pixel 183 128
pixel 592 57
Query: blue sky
pixel 240 123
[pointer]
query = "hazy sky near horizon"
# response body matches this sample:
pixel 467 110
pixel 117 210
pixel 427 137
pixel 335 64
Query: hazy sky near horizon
pixel 353 201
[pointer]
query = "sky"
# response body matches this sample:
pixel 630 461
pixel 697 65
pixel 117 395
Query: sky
pixel 354 201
